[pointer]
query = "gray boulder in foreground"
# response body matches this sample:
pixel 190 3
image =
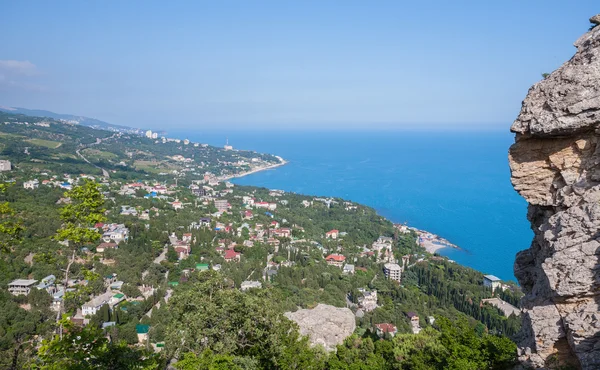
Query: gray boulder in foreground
pixel 325 325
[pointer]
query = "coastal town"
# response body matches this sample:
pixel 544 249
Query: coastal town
pixel 171 215
pixel 235 223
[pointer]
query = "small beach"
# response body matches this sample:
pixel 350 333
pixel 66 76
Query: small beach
pixel 255 170
pixel 431 242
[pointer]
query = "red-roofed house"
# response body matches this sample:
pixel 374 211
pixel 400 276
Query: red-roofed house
pixel 333 234
pixel 284 233
pixel 138 185
pixel 177 204
pixel 183 250
pixel 335 260
pixel 273 241
pixel 384 328
pixel 104 246
pixel 160 189
pixel 232 256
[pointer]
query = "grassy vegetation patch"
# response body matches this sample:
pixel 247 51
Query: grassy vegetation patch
pixel 153 167
pixel 5 134
pixel 94 153
pixel 47 143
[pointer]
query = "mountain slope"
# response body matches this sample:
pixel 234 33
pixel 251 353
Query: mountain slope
pixel 81 120
pixel 48 145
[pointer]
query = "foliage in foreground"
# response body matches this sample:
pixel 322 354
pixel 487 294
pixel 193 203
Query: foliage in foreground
pixel 88 348
pixel 454 345
pixel 215 326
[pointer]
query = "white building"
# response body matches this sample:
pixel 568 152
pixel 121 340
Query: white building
pixel 392 271
pixel 109 298
pixel 368 300
pixel 33 184
pixel 348 269
pixel 21 286
pixel 5 165
pixel 491 281
pixel 116 233
pixel 250 285
pixel 149 134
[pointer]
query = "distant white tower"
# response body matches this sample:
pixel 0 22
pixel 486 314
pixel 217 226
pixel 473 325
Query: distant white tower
pixel 227 146
pixel 149 134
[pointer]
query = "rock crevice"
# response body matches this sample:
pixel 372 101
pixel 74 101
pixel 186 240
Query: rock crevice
pixel 555 166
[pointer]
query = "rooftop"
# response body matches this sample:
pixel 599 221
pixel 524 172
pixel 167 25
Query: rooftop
pixel 142 329
pixel 491 277
pixel 99 300
pixel 392 266
pixel 335 257
pixel 23 282
pixel 386 327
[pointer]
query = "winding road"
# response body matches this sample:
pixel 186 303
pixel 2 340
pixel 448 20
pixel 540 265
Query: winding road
pixel 98 141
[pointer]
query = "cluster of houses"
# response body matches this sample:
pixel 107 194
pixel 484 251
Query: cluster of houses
pixel 65 183
pixel 269 232
pixel 385 329
pixel 56 291
pixel 152 190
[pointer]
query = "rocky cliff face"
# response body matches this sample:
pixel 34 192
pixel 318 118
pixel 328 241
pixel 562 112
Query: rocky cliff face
pixel 555 166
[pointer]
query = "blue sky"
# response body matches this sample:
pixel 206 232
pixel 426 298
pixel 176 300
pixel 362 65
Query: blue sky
pixel 287 64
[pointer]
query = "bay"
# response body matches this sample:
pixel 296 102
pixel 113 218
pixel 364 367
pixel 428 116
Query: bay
pixel 453 184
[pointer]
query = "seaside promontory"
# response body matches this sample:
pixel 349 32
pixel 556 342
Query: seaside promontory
pixel 555 167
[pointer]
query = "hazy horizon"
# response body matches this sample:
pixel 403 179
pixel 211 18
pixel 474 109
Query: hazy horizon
pixel 285 65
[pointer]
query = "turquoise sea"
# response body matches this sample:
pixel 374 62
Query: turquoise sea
pixel 456 185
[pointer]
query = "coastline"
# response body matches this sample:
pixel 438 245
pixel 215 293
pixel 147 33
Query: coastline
pixel 431 242
pixel 282 162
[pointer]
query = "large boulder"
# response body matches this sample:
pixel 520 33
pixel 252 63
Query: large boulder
pixel 324 325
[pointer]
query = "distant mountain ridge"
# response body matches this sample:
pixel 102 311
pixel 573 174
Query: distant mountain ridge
pixel 82 120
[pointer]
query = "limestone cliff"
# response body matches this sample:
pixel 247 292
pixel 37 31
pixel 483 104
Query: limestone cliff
pixel 555 166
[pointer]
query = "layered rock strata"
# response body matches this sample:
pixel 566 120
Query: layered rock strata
pixel 555 166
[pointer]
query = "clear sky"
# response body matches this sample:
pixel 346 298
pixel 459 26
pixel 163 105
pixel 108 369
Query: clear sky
pixel 288 64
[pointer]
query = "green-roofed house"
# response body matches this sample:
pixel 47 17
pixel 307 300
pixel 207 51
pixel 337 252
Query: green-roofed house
pixel 173 283
pixel 142 332
pixel 202 266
